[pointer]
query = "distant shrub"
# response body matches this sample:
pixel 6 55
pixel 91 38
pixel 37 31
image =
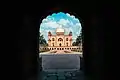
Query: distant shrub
pixel 43 50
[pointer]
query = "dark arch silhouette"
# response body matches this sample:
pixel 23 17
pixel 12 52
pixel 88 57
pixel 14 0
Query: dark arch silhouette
pixel 29 31
pixel 64 10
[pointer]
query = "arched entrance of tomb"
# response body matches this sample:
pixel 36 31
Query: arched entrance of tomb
pixel 75 40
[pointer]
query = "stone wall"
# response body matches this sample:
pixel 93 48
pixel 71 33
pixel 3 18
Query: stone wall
pixel 61 48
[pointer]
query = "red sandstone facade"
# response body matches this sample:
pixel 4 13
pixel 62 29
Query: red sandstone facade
pixel 60 39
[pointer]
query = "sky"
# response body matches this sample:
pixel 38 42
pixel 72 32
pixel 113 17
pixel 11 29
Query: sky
pixel 67 21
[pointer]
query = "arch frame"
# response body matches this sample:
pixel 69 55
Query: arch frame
pixel 65 10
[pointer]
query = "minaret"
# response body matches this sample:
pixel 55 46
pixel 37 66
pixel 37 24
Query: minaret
pixel 70 37
pixel 49 38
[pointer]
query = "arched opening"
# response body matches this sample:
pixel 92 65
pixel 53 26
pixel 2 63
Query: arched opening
pixel 66 39
pixel 53 44
pixel 60 39
pixel 52 39
pixel 73 36
pixel 67 44
pixel 60 44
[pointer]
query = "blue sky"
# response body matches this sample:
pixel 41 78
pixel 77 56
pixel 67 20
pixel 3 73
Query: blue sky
pixel 67 21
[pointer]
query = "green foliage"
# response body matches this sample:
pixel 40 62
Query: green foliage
pixel 74 43
pixel 42 40
pixel 78 40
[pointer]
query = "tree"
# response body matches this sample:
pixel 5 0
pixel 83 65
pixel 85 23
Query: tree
pixel 79 39
pixel 42 40
pixel 74 43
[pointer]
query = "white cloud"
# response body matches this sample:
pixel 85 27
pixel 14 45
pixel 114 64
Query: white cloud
pixel 73 17
pixel 67 14
pixel 45 20
pixel 45 31
pixel 51 24
pixel 67 30
pixel 78 24
pixel 66 23
pixel 77 33
pixel 77 20
pixel 70 15
pixel 69 24
pixel 71 29
pixel 63 21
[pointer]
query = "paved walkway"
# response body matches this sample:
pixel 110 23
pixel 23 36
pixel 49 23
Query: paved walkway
pixel 60 61
pixel 61 66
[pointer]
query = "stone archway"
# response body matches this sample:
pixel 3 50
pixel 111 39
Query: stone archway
pixel 60 42
pixel 60 39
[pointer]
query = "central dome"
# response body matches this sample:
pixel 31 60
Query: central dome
pixel 60 29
